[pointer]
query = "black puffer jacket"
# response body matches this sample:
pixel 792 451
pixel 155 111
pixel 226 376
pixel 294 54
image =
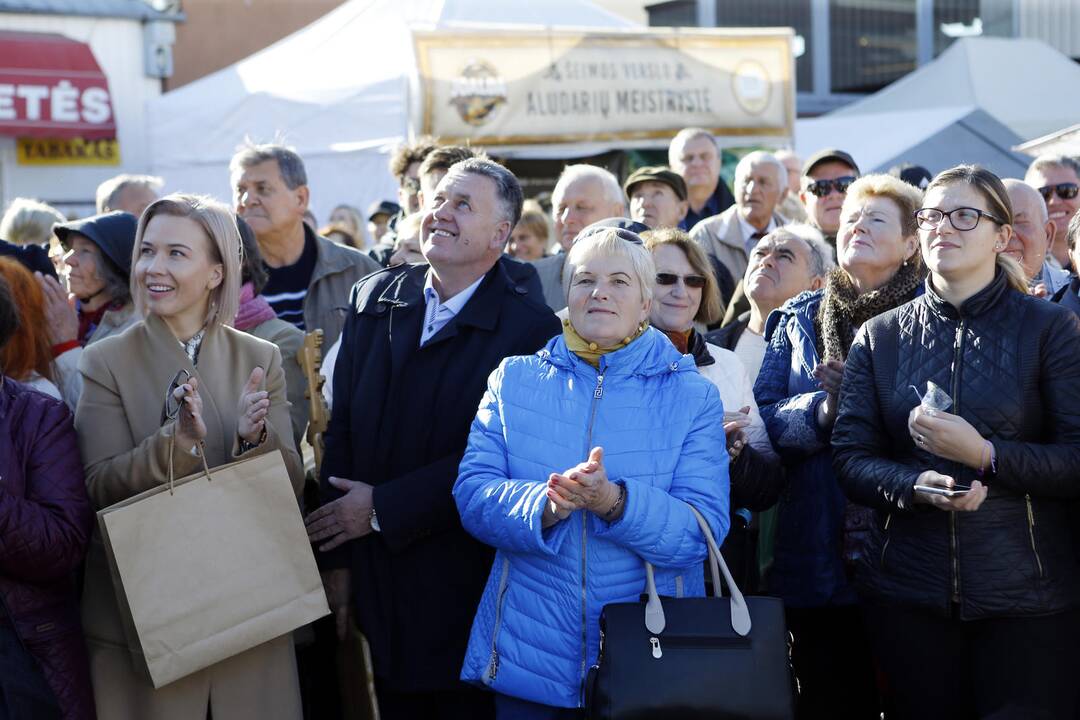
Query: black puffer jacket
pixel 1011 364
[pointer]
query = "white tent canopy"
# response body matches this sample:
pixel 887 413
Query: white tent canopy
pixel 337 90
pixel 1062 142
pixel 1026 85
pixel 937 139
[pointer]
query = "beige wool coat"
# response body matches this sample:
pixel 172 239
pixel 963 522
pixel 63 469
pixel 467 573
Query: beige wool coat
pixel 125 451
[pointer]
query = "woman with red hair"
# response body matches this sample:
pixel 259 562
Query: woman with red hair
pixel 27 356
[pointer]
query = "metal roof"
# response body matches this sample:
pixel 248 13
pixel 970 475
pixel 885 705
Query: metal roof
pixel 134 9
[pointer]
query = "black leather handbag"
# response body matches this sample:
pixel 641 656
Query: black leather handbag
pixel 691 658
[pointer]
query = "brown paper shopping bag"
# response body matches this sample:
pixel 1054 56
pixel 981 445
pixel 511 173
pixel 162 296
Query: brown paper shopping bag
pixel 211 565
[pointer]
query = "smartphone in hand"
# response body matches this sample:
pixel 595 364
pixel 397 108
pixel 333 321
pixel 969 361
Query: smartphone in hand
pixel 954 491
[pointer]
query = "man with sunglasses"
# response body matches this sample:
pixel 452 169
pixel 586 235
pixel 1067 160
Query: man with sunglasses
pixel 1057 178
pixel 826 177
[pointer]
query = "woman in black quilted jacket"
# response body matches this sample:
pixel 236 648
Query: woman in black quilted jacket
pixel 972 596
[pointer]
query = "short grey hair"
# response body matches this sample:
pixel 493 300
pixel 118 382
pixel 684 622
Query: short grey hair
pixel 684 136
pixel 607 243
pixel 1056 161
pixel 289 163
pixel 29 222
pixel 109 191
pixel 571 173
pixel 507 187
pixel 821 253
pixel 757 157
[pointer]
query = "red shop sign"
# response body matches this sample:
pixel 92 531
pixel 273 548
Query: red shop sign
pixel 51 86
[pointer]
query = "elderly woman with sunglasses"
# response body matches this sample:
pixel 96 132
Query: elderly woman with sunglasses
pixel 685 292
pixel 971 572
pixel 819 535
pixel 175 386
pixel 583 461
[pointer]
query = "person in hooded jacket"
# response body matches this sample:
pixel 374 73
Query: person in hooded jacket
pixel 98 256
pixel 970 571
pixel 583 461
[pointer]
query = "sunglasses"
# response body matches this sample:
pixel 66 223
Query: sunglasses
pixel 821 188
pixel 1065 191
pixel 172 406
pixel 691 281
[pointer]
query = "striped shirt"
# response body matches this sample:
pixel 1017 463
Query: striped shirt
pixel 287 286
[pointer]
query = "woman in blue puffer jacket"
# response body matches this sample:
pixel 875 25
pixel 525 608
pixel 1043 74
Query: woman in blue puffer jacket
pixel 642 435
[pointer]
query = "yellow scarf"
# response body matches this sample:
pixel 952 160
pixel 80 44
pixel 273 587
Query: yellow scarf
pixel 590 352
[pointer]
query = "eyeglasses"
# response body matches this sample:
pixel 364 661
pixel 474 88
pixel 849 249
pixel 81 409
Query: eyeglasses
pixel 962 218
pixel 1065 191
pixel 172 405
pixel 411 185
pixel 691 281
pixel 821 188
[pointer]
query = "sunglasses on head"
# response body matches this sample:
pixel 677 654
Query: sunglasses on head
pixel 691 281
pixel 821 188
pixel 1065 191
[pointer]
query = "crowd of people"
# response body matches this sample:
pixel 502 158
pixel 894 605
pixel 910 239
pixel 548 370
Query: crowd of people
pixel 865 384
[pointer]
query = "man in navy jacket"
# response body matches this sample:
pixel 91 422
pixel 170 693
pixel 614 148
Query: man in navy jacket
pixel 416 352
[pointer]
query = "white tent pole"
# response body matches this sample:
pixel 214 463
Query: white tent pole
pixel 924 31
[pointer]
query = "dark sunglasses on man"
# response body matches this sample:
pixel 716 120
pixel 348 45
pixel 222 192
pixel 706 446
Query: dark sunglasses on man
pixel 691 281
pixel 1065 191
pixel 821 188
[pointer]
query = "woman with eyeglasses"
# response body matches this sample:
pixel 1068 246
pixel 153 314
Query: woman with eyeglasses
pixel 970 573
pixel 684 293
pixel 582 462
pixel 819 534
pixel 177 385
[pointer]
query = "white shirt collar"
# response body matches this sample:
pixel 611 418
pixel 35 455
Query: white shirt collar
pixel 748 230
pixel 455 303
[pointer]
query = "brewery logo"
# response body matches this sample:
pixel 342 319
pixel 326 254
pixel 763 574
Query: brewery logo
pixel 478 93
pixel 752 86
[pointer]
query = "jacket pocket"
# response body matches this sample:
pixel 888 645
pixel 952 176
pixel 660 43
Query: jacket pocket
pixel 1031 535
pixel 500 597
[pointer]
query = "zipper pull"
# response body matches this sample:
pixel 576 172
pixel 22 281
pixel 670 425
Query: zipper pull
pixel 599 391
pixel 656 651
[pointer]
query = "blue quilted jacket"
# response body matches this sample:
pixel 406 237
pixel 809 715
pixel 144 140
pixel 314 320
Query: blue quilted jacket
pixel 660 423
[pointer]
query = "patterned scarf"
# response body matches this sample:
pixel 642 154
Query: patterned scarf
pixel 843 311
pixel 254 310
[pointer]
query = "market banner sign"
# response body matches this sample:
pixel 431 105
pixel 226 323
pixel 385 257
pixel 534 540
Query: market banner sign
pixel 512 88
pixel 51 86
pixel 67 151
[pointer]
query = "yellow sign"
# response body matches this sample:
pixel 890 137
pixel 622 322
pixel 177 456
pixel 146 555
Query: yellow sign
pixel 512 88
pixel 67 151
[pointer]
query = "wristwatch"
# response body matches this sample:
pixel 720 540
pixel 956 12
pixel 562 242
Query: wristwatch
pixel 374 519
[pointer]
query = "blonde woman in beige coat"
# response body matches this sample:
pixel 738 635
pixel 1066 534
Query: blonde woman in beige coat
pixel 180 377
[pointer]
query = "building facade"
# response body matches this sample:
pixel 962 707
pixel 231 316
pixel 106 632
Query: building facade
pixel 849 48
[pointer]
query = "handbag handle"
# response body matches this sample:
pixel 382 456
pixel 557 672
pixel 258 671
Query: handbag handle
pixel 740 613
pixel 202 456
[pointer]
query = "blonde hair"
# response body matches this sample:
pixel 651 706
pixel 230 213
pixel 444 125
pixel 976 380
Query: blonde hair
pixel 223 236
pixel 29 222
pixel 607 243
pixel 996 195
pixel 711 308
pixel 908 198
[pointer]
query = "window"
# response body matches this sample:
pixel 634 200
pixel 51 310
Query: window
pixel 873 42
